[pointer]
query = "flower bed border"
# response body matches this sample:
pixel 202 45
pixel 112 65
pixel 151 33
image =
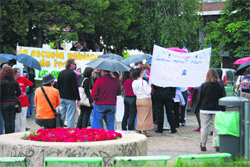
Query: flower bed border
pixel 13 145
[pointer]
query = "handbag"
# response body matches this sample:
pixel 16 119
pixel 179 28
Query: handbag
pixel 59 121
pixel 18 106
pixel 84 99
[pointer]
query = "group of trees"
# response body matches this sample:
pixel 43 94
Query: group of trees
pixel 231 32
pixel 120 24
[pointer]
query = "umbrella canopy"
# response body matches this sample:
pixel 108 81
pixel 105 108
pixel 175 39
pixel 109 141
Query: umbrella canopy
pixel 135 58
pixel 29 61
pixel 6 57
pixel 111 56
pixel 242 60
pixel 108 64
pixel 149 61
pixel 241 69
pixel 177 50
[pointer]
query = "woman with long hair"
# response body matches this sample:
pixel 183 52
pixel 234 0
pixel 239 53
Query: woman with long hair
pixel 86 110
pixel 209 94
pixel 142 90
pixel 130 111
pixel 9 91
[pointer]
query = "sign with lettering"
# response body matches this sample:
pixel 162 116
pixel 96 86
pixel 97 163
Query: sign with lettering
pixel 174 69
pixel 53 60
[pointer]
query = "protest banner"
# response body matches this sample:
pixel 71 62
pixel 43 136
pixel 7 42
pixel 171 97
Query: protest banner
pixel 53 60
pixel 174 69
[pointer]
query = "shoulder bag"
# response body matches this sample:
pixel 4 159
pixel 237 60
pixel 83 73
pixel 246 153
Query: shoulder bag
pixel 59 121
pixel 18 106
pixel 84 99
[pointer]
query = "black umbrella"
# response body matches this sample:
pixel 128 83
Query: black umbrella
pixel 241 69
pixel 108 64
pixel 135 58
pixel 111 56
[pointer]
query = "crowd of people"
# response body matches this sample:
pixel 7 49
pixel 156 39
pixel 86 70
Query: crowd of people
pixel 144 103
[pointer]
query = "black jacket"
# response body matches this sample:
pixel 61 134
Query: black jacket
pixel 161 93
pixel 9 91
pixel 87 88
pixel 209 95
pixel 67 85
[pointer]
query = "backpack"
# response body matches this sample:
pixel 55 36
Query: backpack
pixel 245 84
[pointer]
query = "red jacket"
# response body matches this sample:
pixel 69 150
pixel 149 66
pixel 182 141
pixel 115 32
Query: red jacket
pixel 128 87
pixel 23 83
pixel 105 90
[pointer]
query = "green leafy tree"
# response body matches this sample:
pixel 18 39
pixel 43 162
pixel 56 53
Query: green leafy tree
pixel 231 32
pixel 170 23
pixel 117 25
pixel 13 24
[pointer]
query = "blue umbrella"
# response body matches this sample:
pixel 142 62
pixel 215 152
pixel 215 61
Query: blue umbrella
pixel 108 65
pixel 111 56
pixel 136 58
pixel 149 61
pixel 29 61
pixel 6 57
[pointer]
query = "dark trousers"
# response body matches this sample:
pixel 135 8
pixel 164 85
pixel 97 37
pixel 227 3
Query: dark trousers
pixel 83 118
pixel 129 113
pixel 154 109
pixel 9 116
pixel 168 103
pixel 46 123
pixel 177 113
pixel 183 108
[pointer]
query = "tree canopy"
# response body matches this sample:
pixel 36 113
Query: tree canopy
pixel 117 24
pixel 231 32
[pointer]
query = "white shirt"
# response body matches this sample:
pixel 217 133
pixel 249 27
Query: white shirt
pixel 141 89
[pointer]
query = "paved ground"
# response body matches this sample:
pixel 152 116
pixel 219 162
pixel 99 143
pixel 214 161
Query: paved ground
pixel 184 142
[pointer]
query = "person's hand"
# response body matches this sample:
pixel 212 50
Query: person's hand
pixel 93 104
pixel 149 84
pixel 78 103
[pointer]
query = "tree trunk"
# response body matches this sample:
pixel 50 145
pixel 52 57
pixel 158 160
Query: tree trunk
pixel 40 38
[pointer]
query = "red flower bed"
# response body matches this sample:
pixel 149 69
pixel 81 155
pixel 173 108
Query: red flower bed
pixel 72 135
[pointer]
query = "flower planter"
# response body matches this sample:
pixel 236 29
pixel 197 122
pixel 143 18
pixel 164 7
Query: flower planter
pixel 13 145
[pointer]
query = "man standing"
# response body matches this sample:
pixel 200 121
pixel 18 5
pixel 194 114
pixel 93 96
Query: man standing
pixel 68 88
pixel 104 94
pixel 164 97
pixel 30 90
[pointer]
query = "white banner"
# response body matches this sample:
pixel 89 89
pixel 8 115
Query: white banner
pixel 174 69
pixel 53 61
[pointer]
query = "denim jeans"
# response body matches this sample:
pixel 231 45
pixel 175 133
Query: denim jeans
pixel 31 101
pixel 69 108
pixel 1 123
pixel 129 113
pixel 9 116
pixel 106 112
